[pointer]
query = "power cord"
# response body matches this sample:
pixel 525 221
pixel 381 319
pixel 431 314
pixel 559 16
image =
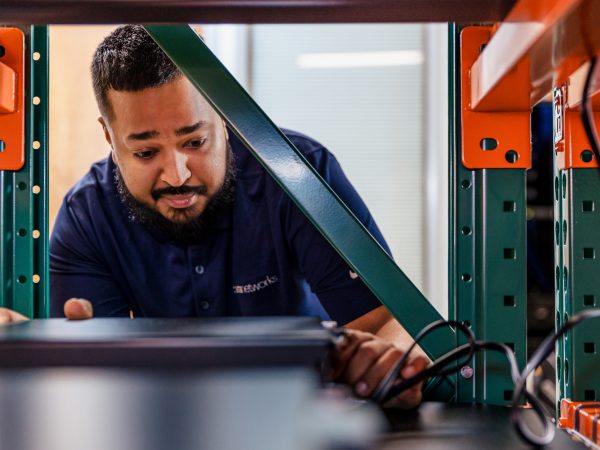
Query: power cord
pixel 446 364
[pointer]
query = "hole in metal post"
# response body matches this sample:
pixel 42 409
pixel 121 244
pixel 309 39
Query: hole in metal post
pixel 465 184
pixel 588 300
pixel 589 395
pixel 509 206
pixel 488 144
pixel 589 253
pixel 587 156
pixel 511 156
pixel 509 300
pixel 587 206
pixel 466 277
pixel 510 253
pixel 589 347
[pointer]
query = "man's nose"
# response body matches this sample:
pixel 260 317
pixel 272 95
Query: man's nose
pixel 175 171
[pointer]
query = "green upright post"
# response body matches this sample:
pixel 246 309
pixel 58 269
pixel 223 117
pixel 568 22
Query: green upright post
pixel 578 242
pixel 24 201
pixel 487 277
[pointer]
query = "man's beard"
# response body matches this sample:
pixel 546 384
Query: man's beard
pixel 189 230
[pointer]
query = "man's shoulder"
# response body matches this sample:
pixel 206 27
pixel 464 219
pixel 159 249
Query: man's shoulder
pixel 311 149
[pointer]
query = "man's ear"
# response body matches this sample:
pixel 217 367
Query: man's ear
pixel 105 130
pixel 108 138
pixel 225 131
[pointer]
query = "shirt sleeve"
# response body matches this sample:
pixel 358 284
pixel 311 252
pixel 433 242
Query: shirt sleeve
pixel 343 295
pixel 77 268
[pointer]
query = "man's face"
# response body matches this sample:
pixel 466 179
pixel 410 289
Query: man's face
pixel 170 147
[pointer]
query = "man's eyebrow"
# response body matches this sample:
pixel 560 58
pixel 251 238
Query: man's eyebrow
pixel 144 135
pixel 190 128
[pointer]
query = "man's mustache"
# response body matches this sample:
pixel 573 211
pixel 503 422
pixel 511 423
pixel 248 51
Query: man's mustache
pixel 181 190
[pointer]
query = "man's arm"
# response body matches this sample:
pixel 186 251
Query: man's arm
pixel 373 345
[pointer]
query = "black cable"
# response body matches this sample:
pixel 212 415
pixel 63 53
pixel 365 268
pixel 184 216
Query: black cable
pixel 382 392
pixel 389 388
pixel 587 114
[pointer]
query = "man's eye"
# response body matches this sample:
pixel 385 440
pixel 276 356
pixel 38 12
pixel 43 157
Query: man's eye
pixel 195 143
pixel 146 154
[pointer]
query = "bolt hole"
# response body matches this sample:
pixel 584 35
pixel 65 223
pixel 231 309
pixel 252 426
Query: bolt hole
pixel 587 156
pixel 466 231
pixel 22 185
pixel 22 279
pixel 22 232
pixel 466 277
pixel 466 184
pixel 488 144
pixel 511 156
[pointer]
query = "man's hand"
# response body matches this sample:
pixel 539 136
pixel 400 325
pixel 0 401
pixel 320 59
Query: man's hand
pixel 78 309
pixel 362 360
pixel 8 316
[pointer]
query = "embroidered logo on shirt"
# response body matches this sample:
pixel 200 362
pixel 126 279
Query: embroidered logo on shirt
pixel 253 287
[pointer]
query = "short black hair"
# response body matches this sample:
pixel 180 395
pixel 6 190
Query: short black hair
pixel 128 59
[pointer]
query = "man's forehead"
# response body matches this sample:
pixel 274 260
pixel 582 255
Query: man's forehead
pixel 177 104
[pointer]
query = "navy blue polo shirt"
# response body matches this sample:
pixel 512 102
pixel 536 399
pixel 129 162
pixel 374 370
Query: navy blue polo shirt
pixel 260 257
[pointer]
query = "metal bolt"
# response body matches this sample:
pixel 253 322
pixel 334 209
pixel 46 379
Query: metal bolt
pixel 466 372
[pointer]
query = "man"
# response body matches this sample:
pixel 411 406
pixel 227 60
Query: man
pixel 181 220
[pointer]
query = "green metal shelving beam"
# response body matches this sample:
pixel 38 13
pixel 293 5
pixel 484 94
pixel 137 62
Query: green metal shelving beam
pixel 302 183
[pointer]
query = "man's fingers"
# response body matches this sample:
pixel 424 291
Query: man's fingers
pixel 78 309
pixel 366 356
pixel 372 377
pixel 8 316
pixel 344 352
pixel 415 366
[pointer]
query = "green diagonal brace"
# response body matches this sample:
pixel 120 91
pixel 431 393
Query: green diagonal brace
pixel 302 183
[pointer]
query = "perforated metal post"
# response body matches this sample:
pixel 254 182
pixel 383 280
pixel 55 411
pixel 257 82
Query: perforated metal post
pixel 577 252
pixel 24 200
pixel 488 250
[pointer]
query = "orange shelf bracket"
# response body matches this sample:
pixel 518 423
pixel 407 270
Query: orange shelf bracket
pixel 496 138
pixel 582 418
pixel 12 99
